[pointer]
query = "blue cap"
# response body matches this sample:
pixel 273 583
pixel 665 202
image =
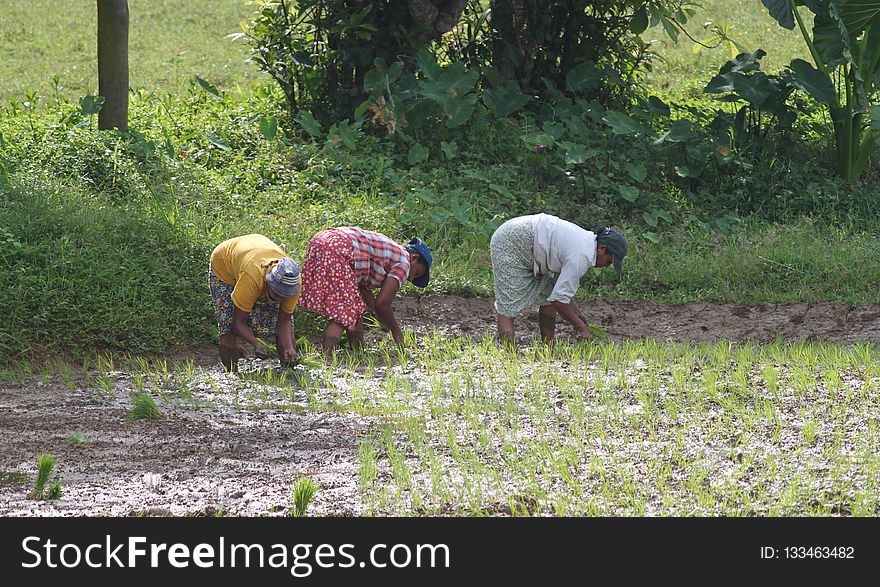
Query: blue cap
pixel 283 278
pixel 419 246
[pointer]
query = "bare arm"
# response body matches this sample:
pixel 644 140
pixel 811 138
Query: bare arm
pixel 240 327
pixel 284 338
pixel 573 315
pixel 384 311
pixel 369 298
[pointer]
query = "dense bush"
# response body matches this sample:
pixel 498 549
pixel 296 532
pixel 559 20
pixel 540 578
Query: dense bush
pixel 105 236
pixel 320 52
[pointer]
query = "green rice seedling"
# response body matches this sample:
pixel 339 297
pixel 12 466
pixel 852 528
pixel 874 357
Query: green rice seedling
pixel 312 360
pixel 46 373
pixel 186 369
pixel 832 382
pixel 105 362
pixel 400 470
pixel 103 385
pixel 270 347
pixel 810 432
pixel 304 491
pixel 802 379
pixel 143 408
pixel 138 379
pixel 78 439
pixel 368 471
pixel 770 377
pixel 864 354
pixel 66 376
pixel 599 332
pixel 45 467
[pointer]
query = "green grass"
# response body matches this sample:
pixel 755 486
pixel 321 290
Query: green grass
pixel 116 230
pixel 168 43
pixel 684 70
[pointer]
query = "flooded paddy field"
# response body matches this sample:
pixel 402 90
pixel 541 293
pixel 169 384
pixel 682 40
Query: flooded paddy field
pixel 683 410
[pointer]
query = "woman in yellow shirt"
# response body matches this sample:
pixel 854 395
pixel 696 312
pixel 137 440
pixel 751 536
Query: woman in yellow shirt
pixel 255 287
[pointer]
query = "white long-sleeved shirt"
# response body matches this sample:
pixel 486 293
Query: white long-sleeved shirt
pixel 562 249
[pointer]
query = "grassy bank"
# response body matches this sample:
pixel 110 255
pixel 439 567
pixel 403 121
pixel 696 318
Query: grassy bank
pixel 106 235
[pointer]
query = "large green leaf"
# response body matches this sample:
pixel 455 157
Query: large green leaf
pixel 630 193
pixel 874 116
pixel 539 139
pixel 754 89
pixel 91 104
pixel 268 126
pixel 871 57
pixel 657 106
pixel 583 77
pixel 639 21
pixel 828 40
pixel 577 128
pixel 781 10
pixel 417 154
pixel 720 84
pixel 218 141
pixel 461 81
pixel 576 153
pixel 344 132
pixel 814 82
pixel 428 64
pixel 380 78
pixel 743 63
pixel 309 123
pixel 506 99
pixel 459 109
pixel 622 124
pixel 637 171
pixel 818 7
pixel 679 132
pixel 449 149
pixel 453 82
pixel 855 14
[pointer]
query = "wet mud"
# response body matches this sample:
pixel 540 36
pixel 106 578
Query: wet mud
pixel 221 458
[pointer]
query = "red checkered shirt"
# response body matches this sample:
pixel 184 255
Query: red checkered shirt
pixel 377 257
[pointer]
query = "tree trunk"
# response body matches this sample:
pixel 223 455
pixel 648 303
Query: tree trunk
pixel 433 18
pixel 113 63
pixel 506 40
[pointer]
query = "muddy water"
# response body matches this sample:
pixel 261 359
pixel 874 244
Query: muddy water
pixel 217 455
pixel 190 462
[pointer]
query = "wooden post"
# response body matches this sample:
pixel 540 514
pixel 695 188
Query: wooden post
pixel 113 63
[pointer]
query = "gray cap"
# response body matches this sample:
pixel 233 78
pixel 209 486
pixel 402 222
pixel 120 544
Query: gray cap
pixel 616 243
pixel 283 278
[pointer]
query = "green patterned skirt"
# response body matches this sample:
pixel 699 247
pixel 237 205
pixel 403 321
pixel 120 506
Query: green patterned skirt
pixel 516 287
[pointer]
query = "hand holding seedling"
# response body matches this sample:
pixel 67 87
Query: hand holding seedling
pixel 289 358
pixel 585 334
pixel 260 351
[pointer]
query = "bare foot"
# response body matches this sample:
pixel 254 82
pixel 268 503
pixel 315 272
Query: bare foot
pixel 229 357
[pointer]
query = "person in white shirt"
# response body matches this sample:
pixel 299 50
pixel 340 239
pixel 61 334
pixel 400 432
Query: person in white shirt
pixel 540 259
